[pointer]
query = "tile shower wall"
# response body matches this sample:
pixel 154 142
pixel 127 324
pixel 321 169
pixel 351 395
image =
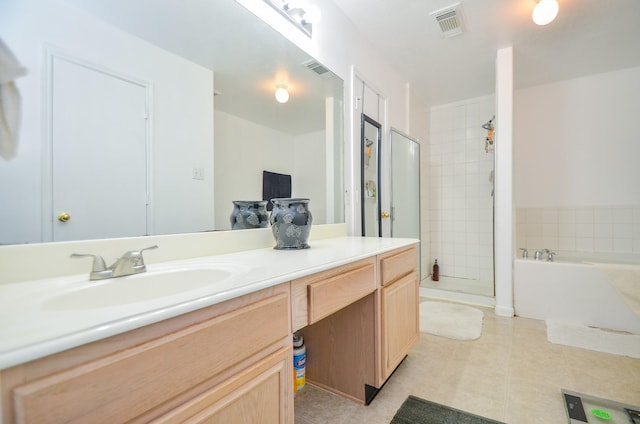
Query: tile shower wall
pixel 461 202
pixel 601 229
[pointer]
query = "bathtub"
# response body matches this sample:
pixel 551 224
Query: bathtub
pixel 575 292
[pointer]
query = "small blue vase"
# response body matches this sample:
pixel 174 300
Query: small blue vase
pixel 291 223
pixel 249 214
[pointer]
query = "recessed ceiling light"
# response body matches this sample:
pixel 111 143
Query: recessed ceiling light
pixel 545 11
pixel 282 95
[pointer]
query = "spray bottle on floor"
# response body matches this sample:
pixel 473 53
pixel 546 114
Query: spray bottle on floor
pixel 299 363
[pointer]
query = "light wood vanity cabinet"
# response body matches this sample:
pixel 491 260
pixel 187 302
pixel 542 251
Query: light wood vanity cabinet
pixel 231 359
pixel 232 362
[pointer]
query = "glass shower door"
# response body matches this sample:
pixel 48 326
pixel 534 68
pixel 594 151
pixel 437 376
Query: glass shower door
pixel 405 186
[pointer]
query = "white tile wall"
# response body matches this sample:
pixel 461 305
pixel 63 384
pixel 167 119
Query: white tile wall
pixel 461 205
pixel 609 229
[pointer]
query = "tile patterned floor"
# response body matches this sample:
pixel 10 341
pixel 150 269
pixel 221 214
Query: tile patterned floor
pixel 512 374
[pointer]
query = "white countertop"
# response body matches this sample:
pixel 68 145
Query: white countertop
pixel 29 329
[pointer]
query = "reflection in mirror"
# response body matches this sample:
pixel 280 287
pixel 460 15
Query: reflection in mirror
pixel 136 123
pixel 370 152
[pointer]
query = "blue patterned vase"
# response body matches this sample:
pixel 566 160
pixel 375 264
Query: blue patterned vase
pixel 291 223
pixel 249 214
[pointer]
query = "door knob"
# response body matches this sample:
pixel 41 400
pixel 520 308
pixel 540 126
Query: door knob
pixel 385 215
pixel 64 216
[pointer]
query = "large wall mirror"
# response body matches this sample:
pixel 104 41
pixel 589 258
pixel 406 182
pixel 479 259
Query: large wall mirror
pixel 150 117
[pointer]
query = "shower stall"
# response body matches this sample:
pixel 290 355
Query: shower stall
pixel 461 198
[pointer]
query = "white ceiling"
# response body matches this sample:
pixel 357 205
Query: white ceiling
pixel 587 37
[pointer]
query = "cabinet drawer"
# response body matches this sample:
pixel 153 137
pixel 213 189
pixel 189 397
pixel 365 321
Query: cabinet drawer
pixel 121 386
pixel 334 293
pixel 398 264
pixel 261 393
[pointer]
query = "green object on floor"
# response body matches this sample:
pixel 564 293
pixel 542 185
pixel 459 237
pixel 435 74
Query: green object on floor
pixel 419 411
pixel 601 413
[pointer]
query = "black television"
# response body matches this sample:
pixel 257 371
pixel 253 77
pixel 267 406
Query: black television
pixel 275 186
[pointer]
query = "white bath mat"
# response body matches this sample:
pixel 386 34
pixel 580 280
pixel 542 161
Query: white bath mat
pixel 617 343
pixel 451 320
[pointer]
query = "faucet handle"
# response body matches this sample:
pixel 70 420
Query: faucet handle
pixel 525 252
pixel 98 262
pixel 550 255
pixel 135 256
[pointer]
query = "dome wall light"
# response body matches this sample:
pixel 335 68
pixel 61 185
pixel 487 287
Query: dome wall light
pixel 545 12
pixel 282 94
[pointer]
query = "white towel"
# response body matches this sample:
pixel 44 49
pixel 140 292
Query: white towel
pixel 10 69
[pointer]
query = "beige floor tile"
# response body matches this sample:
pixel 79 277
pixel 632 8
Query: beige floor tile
pixel 511 374
pixel 533 402
pixel 540 365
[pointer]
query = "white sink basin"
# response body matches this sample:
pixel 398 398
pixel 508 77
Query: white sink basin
pixel 147 286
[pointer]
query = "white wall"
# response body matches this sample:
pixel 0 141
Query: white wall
pixel 577 142
pixel 576 164
pixel 181 115
pixel 310 173
pixel 243 150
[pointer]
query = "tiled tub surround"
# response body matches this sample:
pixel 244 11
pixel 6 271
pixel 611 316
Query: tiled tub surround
pixel 35 332
pixel 611 229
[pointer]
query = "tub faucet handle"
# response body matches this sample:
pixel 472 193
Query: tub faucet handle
pixel 550 255
pixel 525 253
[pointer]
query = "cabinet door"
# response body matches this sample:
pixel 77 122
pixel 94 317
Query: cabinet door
pixel 260 394
pixel 400 321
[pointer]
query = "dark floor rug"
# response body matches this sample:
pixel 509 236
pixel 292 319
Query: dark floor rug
pixel 419 411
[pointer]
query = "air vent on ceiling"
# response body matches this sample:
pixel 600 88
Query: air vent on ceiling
pixel 450 20
pixel 316 67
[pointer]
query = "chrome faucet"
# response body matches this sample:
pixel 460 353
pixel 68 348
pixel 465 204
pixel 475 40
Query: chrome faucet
pixel 538 255
pixel 550 255
pixel 130 263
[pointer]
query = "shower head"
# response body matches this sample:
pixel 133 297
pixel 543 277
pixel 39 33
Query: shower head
pixel 489 124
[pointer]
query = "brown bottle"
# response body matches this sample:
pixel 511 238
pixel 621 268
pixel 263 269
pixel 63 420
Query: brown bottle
pixel 435 275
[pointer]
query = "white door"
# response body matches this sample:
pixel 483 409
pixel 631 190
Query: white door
pixel 98 153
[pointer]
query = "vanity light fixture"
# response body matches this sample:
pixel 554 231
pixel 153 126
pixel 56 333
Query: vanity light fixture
pixel 282 94
pixel 545 12
pixel 295 11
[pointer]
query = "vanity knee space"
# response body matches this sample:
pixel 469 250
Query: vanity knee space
pixel 363 313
